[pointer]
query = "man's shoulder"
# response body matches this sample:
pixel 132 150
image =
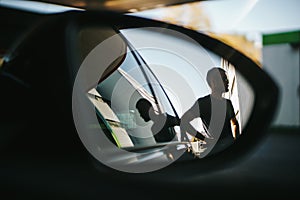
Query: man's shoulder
pixel 204 98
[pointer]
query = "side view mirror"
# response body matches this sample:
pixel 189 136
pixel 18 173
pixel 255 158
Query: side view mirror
pixel 206 104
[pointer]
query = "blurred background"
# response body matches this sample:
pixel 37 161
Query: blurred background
pixel 266 31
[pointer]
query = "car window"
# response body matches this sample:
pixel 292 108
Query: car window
pixel 115 100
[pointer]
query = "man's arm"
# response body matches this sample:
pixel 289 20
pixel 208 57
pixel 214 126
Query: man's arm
pixel 186 127
pixel 235 127
pixel 173 121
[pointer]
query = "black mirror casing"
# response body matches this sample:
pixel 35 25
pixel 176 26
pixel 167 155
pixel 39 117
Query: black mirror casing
pixel 48 59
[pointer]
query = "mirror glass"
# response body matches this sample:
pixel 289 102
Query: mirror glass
pixel 161 97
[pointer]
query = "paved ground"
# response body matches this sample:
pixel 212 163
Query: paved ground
pixel 272 171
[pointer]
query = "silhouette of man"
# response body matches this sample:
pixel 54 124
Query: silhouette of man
pixel 163 124
pixel 216 113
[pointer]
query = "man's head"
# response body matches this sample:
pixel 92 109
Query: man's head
pixel 144 106
pixel 217 80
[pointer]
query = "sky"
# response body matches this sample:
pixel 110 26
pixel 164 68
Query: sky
pixel 247 16
pixel 263 16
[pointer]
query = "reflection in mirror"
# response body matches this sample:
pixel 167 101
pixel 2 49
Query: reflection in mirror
pixel 170 91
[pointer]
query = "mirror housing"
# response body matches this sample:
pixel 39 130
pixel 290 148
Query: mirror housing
pixel 50 62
